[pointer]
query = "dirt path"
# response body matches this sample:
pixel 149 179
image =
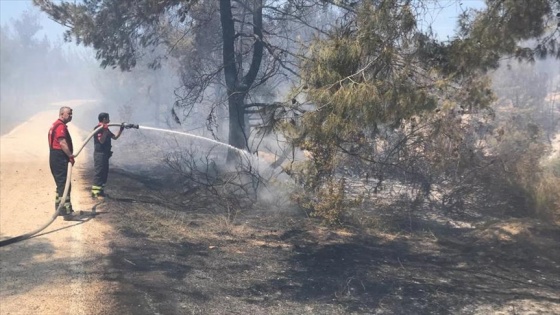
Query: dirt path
pixel 59 270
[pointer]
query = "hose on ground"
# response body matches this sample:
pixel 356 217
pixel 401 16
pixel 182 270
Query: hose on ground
pixel 66 191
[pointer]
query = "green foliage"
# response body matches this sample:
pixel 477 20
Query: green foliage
pixel 329 205
pixel 376 79
pixel 116 29
pixel 367 75
pixel 505 26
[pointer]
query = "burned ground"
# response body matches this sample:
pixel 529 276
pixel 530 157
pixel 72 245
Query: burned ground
pixel 173 260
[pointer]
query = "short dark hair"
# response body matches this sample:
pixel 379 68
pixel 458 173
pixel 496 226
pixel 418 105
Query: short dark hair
pixel 102 116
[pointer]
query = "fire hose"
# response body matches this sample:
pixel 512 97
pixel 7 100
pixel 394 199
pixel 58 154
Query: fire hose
pixel 66 189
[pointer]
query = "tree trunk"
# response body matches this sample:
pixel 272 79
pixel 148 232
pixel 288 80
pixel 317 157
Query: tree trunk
pixel 238 86
pixel 237 137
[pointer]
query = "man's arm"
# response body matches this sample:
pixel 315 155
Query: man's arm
pixel 115 137
pixel 64 146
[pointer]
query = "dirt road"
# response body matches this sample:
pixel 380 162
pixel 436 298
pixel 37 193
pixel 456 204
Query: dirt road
pixel 59 270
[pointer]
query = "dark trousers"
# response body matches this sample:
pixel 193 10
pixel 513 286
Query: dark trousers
pixel 101 167
pixel 58 161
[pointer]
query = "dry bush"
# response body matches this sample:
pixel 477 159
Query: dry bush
pixel 211 186
pixel 547 197
pixel 464 163
pixel 547 191
pixel 439 161
pixel 534 185
pixel 480 165
pixel 418 155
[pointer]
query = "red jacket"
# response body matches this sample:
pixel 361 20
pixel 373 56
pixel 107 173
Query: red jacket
pixel 59 130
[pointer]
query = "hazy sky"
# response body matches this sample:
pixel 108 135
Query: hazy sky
pixel 444 19
pixel 444 13
pixel 12 10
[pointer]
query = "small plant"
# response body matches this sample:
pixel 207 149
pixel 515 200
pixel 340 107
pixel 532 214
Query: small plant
pixel 330 205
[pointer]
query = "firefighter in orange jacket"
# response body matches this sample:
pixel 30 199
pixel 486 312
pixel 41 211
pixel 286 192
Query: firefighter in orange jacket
pixel 61 153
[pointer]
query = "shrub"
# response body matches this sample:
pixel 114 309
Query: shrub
pixel 547 191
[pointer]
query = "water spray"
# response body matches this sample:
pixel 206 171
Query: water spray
pixel 245 153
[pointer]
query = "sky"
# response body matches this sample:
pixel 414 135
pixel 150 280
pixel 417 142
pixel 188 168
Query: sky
pixel 443 14
pixel 443 18
pixel 12 10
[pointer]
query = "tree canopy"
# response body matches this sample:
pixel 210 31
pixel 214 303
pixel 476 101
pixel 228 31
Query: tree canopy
pixel 120 31
pixel 367 83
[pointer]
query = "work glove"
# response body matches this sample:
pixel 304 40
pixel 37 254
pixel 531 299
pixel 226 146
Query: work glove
pixel 122 127
pixel 71 159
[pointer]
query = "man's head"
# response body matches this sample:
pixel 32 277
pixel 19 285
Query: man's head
pixel 65 114
pixel 103 118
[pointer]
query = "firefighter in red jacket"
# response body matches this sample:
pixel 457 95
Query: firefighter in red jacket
pixel 61 153
pixel 101 154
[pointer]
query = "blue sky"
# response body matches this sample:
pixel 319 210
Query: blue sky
pixel 12 10
pixel 443 14
pixel 443 18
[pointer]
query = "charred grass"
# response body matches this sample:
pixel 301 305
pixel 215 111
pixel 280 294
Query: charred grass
pixel 182 257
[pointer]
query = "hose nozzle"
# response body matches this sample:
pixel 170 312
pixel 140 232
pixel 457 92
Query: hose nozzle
pixel 129 126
